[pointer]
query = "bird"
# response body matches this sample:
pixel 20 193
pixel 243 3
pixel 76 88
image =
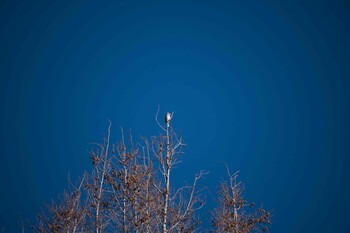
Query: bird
pixel 168 118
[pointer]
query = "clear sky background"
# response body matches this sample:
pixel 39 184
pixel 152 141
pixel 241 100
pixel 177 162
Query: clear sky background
pixel 261 85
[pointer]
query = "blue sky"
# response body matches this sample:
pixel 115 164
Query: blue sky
pixel 260 85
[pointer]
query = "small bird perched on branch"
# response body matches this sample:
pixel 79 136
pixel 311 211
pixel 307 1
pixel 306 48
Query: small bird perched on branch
pixel 168 117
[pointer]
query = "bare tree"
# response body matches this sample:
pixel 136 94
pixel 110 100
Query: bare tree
pixel 132 194
pixel 234 213
pixel 67 215
pixel 130 189
pixel 130 186
pixel 178 209
pixel 96 187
